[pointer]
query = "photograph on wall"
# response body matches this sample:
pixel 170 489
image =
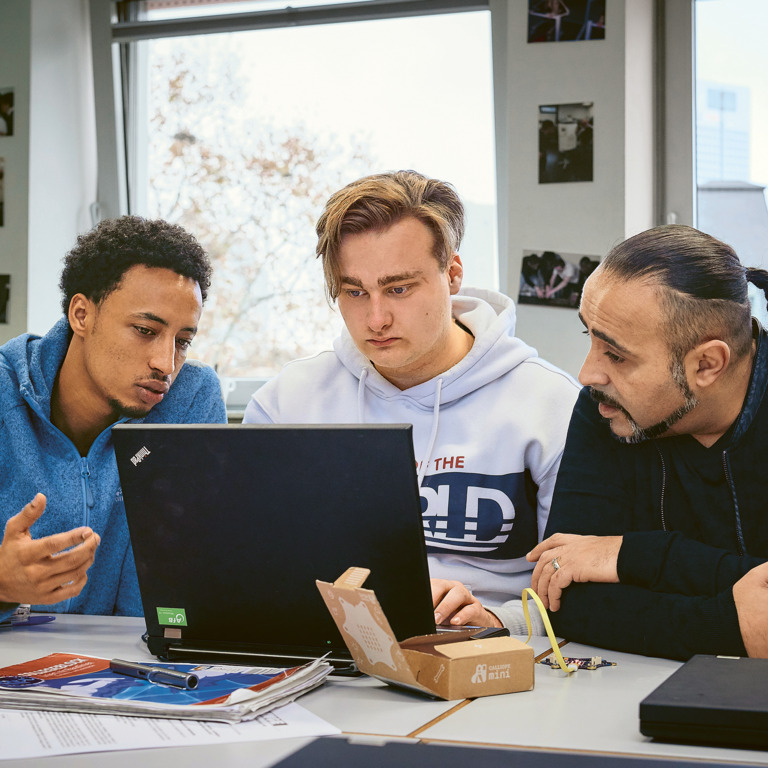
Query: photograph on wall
pixel 565 142
pixel 554 279
pixel 555 21
pixel 6 112
pixel 5 290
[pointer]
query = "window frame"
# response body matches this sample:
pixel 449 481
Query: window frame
pixel 115 64
pixel 117 72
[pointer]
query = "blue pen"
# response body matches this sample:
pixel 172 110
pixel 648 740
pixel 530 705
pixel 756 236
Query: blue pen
pixel 32 621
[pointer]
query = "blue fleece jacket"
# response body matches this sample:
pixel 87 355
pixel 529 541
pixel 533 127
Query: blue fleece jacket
pixel 35 456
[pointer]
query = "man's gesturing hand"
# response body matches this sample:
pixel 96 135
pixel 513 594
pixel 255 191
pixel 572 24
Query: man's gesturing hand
pixel 456 605
pixel 43 570
pixel 579 558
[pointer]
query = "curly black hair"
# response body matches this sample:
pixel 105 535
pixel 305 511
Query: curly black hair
pixel 97 263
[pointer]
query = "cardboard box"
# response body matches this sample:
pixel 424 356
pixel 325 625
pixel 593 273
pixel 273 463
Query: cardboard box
pixel 447 666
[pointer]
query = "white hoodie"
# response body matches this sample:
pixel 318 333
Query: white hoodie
pixel 488 437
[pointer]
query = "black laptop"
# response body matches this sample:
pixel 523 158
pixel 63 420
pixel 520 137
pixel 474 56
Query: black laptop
pixel 232 524
pixel 711 700
pixel 342 752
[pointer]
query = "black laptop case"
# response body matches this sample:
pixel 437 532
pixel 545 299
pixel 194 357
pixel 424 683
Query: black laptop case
pixel 711 700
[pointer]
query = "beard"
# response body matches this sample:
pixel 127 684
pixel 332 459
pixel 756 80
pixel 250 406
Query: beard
pixel 641 434
pixel 121 410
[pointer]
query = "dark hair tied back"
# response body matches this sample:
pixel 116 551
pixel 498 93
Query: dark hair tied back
pixel 759 278
pixel 703 284
pixel 684 259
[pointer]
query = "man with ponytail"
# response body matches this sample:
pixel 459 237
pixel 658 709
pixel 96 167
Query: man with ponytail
pixel 660 503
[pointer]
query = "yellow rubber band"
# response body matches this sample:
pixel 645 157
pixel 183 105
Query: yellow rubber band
pixel 548 626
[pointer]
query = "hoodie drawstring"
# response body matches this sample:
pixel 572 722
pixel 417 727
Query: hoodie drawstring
pixel 433 434
pixel 361 396
pixel 435 418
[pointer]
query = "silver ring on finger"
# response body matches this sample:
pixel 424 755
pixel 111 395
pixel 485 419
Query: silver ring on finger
pixel 555 564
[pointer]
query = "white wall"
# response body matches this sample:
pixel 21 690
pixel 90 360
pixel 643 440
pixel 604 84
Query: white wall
pixel 15 73
pixel 62 146
pixel 616 75
pixel 50 162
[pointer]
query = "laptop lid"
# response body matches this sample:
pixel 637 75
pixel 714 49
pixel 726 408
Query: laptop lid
pixel 232 524
pixel 350 752
pixel 711 700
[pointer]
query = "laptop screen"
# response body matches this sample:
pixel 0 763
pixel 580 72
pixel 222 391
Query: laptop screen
pixel 232 524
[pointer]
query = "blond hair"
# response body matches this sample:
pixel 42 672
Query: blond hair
pixel 379 201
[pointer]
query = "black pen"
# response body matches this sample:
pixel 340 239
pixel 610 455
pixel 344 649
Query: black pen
pixel 154 674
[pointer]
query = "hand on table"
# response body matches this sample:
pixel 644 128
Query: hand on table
pixel 456 605
pixel 580 558
pixel 40 570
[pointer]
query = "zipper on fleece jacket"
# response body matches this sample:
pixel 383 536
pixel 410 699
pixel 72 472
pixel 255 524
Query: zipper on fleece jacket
pixel 85 474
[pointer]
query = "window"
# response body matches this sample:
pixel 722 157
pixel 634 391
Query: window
pixel 241 137
pixel 731 115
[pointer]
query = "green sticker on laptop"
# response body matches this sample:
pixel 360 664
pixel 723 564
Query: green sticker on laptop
pixel 175 617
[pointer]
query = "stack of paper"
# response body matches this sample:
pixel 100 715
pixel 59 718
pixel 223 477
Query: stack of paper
pixel 68 682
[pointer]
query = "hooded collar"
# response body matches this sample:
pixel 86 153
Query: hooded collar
pixel 36 362
pixel 490 317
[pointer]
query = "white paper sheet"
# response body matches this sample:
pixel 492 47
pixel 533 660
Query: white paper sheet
pixel 42 734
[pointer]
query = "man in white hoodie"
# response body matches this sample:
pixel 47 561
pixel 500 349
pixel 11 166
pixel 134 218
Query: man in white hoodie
pixel 489 416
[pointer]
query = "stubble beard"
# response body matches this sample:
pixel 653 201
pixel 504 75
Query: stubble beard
pixel 641 434
pixel 122 411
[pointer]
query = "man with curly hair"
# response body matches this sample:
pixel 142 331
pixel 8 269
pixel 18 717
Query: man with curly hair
pixel 132 295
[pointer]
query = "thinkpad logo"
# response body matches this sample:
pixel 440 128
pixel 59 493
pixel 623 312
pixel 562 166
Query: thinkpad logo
pixel 139 457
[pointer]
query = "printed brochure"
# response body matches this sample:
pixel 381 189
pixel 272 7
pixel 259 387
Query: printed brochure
pixel 69 682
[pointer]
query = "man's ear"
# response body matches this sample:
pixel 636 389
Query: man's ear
pixel 455 274
pixel 81 314
pixel 709 361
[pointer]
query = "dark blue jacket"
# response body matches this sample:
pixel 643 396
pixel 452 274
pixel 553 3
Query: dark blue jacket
pixel 694 520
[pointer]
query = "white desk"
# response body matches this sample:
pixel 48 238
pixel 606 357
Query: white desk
pixel 591 711
pixel 359 705
pixel 350 704
pixel 347 703
pixel 105 636
pixel 595 710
